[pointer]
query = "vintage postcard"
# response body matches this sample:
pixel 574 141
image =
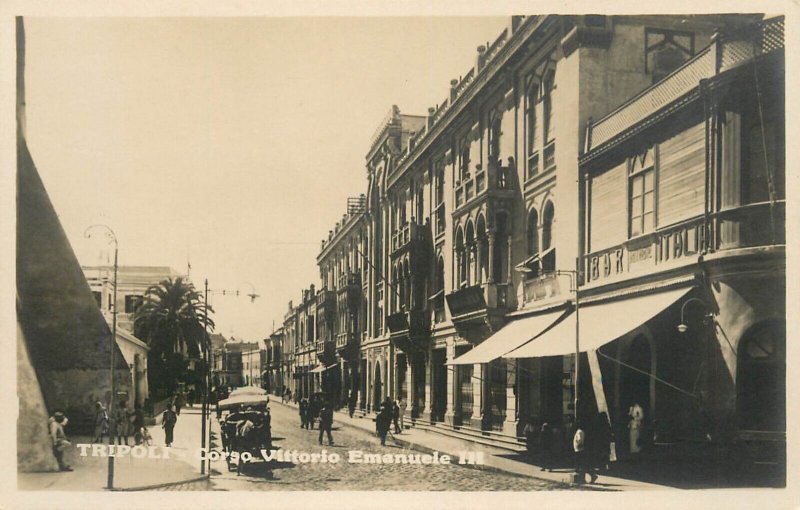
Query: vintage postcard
pixel 461 257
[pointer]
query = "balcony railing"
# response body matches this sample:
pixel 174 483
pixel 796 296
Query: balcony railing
pixel 407 235
pixel 498 177
pixel 725 53
pixel 477 298
pixel 349 279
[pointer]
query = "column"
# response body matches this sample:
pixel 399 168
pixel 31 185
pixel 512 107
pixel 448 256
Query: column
pixel 510 423
pixel 451 383
pixel 477 395
pixel 490 276
pixel 409 386
pixel 428 384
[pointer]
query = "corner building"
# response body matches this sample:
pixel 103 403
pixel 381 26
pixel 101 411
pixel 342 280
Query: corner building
pixel 594 153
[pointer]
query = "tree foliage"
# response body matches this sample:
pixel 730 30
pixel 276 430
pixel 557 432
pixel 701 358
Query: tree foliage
pixel 172 321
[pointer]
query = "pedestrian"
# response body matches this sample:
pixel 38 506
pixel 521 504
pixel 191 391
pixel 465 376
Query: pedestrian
pixel 100 422
pixel 582 466
pixel 402 404
pixel 529 432
pixel 168 421
pixel 635 423
pixel 547 445
pixel 121 422
pixel 303 414
pixel 351 403
pixel 56 424
pixel 138 424
pixel 326 422
pixel 313 411
pixel 296 396
pixel 179 401
pixel 396 416
pixel 384 420
pixel 601 445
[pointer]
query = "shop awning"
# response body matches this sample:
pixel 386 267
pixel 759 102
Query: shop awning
pixel 511 336
pixel 321 368
pixel 599 325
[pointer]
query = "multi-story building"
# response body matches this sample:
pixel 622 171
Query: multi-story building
pixel 507 212
pixel 253 360
pixel 342 265
pixel 273 373
pixel 132 283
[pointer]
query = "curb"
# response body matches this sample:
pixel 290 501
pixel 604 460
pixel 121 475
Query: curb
pixel 159 485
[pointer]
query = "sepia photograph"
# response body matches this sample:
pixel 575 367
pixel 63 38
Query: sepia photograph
pixel 498 253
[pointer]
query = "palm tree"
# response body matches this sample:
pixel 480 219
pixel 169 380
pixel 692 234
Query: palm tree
pixel 172 322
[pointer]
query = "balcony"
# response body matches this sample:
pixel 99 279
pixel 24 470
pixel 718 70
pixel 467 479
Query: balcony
pixel 410 237
pixel 410 330
pixel 727 52
pixel 748 226
pixel 494 180
pixel 326 351
pixel 478 308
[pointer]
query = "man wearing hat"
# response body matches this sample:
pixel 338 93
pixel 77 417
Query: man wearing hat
pixel 56 423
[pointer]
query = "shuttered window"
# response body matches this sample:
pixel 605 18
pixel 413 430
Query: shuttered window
pixel 608 215
pixel 681 174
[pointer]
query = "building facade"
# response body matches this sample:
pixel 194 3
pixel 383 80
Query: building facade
pixel 458 278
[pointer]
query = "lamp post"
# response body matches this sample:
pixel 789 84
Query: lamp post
pixel 204 409
pixel 111 422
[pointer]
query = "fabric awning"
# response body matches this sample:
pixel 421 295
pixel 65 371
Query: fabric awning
pixel 529 265
pixel 511 336
pixel 599 325
pixel 321 368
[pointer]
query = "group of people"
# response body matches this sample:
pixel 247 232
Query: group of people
pixel 124 424
pixel 317 407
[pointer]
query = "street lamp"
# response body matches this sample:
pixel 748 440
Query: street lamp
pixel 111 424
pixel 683 327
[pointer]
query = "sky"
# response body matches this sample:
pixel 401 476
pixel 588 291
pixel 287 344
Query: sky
pixel 231 143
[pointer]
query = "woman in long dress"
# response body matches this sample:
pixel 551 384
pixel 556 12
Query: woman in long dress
pixel 636 415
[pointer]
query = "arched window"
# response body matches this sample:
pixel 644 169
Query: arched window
pixel 461 270
pixel 533 232
pixel 548 254
pixel 548 129
pixel 761 377
pixel 470 253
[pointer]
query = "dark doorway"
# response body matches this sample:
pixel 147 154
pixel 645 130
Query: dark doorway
pixel 761 378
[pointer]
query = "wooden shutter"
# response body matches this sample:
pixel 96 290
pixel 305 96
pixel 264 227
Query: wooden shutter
pixel 681 176
pixel 608 208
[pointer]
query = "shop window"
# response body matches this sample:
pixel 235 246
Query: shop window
pixel 641 208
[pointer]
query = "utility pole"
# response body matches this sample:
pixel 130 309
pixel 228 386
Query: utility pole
pixel 204 409
pixel 111 409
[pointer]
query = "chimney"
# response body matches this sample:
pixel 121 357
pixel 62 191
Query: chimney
pixel 431 111
pixel 453 88
pixel 480 58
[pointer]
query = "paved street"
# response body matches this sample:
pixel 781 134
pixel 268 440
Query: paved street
pixel 350 476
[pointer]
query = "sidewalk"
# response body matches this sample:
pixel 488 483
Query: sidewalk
pixel 494 458
pixel 91 472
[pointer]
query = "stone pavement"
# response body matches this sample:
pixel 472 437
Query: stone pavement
pixel 495 458
pixel 360 476
pixel 90 472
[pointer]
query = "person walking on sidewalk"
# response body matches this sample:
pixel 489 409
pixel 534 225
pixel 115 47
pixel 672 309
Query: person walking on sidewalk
pixel 396 416
pixel 351 403
pixel 303 409
pixel 168 421
pixel 326 422
pixel 56 425
pixel 384 420
pixel 121 423
pixel 100 422
pixel 582 456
